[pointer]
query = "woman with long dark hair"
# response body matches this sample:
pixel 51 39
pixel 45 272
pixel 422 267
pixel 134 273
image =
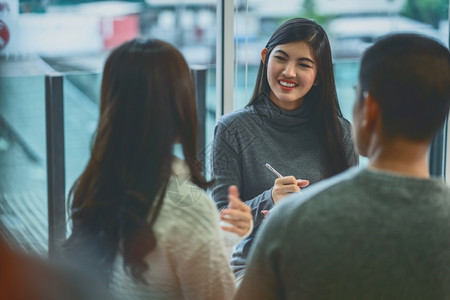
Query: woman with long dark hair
pixel 293 122
pixel 141 219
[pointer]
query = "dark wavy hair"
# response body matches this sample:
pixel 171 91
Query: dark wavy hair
pixel 322 97
pixel 147 104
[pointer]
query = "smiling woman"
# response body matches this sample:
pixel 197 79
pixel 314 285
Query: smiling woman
pixel 293 122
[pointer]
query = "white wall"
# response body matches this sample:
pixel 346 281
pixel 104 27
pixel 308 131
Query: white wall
pixel 58 34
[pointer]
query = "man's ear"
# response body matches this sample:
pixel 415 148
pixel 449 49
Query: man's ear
pixel 372 114
pixel 263 54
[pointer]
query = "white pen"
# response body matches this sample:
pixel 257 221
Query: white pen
pixel 273 170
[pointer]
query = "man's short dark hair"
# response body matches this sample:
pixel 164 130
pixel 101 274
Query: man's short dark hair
pixel 409 77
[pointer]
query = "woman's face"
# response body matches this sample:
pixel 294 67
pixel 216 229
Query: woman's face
pixel 291 72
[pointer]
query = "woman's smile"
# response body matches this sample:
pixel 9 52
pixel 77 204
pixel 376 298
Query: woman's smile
pixel 287 84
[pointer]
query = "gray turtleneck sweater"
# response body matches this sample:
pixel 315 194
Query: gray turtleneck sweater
pixel 247 139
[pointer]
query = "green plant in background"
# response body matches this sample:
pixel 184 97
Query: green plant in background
pixel 308 10
pixel 427 11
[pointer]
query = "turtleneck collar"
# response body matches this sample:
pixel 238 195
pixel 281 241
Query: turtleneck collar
pixel 279 117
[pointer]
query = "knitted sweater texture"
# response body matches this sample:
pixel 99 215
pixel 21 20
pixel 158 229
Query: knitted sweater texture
pixel 364 234
pixel 190 260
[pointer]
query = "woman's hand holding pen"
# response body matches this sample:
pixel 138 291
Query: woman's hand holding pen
pixel 283 186
pixel 286 185
pixel 237 214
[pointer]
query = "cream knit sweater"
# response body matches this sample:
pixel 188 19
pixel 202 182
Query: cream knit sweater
pixel 191 257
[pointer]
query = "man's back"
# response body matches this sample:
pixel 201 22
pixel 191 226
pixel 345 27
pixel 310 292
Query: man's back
pixel 365 235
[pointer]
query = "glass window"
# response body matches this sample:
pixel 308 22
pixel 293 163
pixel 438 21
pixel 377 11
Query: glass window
pixel 74 38
pixel 352 26
pixel 23 164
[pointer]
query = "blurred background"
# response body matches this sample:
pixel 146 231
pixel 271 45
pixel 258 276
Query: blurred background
pixel 72 39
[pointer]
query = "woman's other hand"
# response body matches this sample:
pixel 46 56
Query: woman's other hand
pixel 238 214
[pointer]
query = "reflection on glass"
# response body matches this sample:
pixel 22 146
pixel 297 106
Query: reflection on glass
pixel 23 174
pixel 81 112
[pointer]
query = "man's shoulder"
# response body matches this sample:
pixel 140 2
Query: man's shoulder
pixel 331 188
pixel 356 187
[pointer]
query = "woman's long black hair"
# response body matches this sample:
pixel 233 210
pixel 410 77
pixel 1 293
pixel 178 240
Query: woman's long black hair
pixel 147 104
pixel 322 96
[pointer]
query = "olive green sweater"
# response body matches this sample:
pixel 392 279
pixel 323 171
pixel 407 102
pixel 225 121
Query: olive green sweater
pixel 363 234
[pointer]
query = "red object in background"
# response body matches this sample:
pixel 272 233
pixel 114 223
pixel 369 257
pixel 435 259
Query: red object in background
pixel 4 35
pixel 119 29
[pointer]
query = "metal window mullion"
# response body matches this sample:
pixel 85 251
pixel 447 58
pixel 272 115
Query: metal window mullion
pixel 199 76
pixel 225 57
pixel 437 153
pixel 54 116
pixel 447 146
pixel 447 169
